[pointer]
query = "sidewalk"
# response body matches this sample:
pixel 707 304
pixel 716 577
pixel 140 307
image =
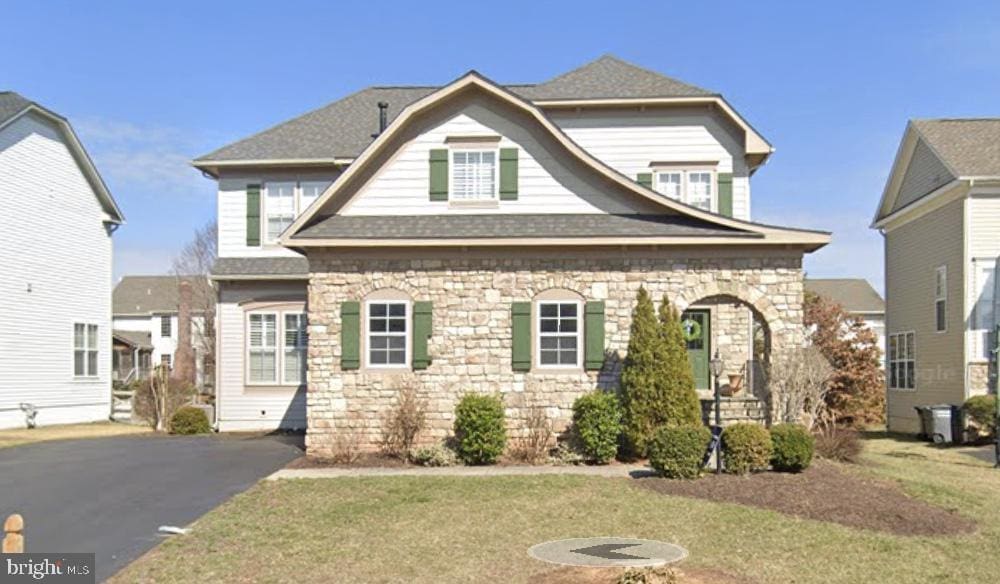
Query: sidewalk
pixel 615 471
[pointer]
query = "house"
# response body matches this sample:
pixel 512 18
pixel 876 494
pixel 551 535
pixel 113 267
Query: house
pixel 857 297
pixel 55 257
pixel 940 216
pixel 146 324
pixel 480 237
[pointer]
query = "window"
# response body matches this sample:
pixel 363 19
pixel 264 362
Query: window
pixel 902 361
pixel 558 334
pixel 280 208
pixel 294 368
pixel 984 274
pixel 693 187
pixel 940 298
pixel 263 362
pixel 473 175
pixel 165 326
pixel 386 331
pixel 167 361
pixel 84 350
pixel 309 192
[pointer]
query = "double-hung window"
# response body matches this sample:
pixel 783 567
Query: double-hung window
pixel 473 175
pixel 267 362
pixel 559 334
pixel 940 298
pixel 387 333
pixel 279 205
pixel 166 328
pixel 84 350
pixel 984 274
pixel 902 361
pixel 309 191
pixel 693 187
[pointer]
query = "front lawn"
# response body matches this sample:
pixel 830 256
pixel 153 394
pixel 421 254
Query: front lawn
pixel 438 529
pixel 67 432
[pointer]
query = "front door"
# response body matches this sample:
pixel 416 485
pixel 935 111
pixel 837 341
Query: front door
pixel 696 326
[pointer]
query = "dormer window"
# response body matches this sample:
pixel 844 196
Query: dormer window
pixel 473 175
pixel 690 186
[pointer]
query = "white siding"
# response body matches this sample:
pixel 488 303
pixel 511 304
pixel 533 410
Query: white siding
pixel 53 243
pixel 545 183
pixel 984 248
pixel 240 407
pixel 629 141
pixel 232 210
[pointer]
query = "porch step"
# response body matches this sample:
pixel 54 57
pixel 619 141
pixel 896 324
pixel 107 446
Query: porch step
pixel 735 410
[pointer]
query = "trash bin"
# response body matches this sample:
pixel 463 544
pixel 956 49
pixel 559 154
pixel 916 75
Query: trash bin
pixel 942 423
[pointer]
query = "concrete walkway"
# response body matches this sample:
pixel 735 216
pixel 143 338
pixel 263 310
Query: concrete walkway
pixel 615 470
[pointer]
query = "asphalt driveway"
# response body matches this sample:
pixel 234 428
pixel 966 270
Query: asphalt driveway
pixel 110 495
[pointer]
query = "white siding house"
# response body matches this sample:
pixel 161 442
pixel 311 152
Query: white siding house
pixel 55 271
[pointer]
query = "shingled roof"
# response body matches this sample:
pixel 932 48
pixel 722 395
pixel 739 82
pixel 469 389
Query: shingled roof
pixel 342 129
pixel 856 295
pixel 142 295
pixel 11 104
pixel 970 147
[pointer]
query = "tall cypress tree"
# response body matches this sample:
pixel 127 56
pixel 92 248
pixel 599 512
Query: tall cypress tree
pixel 681 405
pixel 639 375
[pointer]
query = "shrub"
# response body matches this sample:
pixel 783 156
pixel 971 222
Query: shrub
pixel 657 575
pixel 404 421
pixel 174 392
pixel 838 443
pixel 746 448
pixel 677 451
pixel 657 382
pixel 190 420
pixel 567 453
pixel 480 434
pixel 791 447
pixel 437 455
pixel 533 445
pixel 982 411
pixel 346 448
pixel 597 425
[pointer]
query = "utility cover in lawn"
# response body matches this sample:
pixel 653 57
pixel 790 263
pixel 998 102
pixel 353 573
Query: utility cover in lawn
pixel 607 552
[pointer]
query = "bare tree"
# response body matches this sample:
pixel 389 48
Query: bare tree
pixel 799 380
pixel 193 265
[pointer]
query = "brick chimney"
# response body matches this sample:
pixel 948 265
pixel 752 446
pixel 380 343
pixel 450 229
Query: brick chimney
pixel 184 366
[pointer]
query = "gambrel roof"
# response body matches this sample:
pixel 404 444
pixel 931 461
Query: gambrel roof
pixel 338 132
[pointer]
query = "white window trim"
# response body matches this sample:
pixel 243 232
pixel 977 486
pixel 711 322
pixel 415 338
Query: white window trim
pixel 537 329
pixel 941 272
pixel 890 361
pixel 685 173
pixel 283 348
pixel 87 375
pixel 979 340
pixel 170 320
pixel 246 356
pixel 298 205
pixel 407 334
pixel 495 198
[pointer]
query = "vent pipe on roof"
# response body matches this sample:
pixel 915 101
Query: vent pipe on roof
pixel 383 109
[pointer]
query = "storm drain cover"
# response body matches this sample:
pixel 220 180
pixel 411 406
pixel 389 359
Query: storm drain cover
pixel 607 552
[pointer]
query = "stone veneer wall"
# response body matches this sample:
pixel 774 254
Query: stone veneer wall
pixel 979 378
pixel 471 340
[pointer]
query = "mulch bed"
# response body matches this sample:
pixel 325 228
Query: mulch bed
pixel 826 493
pixel 368 460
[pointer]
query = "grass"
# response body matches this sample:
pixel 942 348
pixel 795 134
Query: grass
pixel 417 529
pixel 21 436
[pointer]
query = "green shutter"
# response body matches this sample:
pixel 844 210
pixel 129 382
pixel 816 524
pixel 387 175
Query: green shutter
pixel 645 179
pixel 594 335
pixel 520 329
pixel 508 174
pixel 439 174
pixel 253 215
pixel 725 180
pixel 422 322
pixel 350 334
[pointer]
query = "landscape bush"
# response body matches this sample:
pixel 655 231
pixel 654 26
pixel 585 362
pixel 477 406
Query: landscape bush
pixel 480 432
pixel 437 455
pixel 597 425
pixel 174 393
pixel 404 420
pixel 746 448
pixel 792 447
pixel 654 575
pixel 532 445
pixel 677 452
pixel 838 443
pixel 982 412
pixel 657 382
pixel 190 420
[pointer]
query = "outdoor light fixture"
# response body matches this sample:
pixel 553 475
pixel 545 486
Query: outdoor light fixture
pixel 715 366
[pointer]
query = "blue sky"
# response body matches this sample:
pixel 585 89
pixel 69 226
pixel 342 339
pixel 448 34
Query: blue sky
pixel 831 85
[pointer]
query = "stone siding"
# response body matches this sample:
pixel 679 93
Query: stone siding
pixel 471 340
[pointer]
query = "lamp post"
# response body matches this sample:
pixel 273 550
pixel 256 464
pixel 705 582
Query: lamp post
pixel 715 366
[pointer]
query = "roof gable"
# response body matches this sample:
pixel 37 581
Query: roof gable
pixel 146 295
pixel 610 78
pixel 969 147
pixel 341 192
pixel 855 295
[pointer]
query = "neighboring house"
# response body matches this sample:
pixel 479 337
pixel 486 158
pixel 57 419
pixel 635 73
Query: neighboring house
pixel 488 238
pixel 55 259
pixel 940 217
pixel 146 326
pixel 858 298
